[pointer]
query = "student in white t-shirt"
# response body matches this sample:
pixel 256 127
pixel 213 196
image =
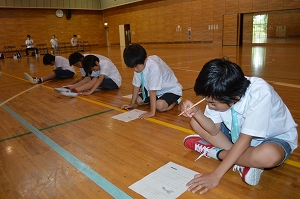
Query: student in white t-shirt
pixel 62 70
pixel 75 42
pixel 160 87
pixel 245 125
pixel 30 45
pixel 97 71
pixel 54 42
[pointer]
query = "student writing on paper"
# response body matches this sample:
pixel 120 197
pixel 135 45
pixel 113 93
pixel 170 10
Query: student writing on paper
pixel 245 125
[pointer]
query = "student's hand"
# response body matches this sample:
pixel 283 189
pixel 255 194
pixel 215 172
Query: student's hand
pixel 146 115
pixel 127 107
pixel 203 183
pixel 186 105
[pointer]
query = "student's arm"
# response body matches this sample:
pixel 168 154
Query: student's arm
pixel 80 82
pixel 152 111
pixel 205 182
pixel 206 123
pixel 135 92
pixel 95 86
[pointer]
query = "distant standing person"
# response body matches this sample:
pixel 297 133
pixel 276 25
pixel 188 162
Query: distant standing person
pixel 29 43
pixel 54 42
pixel 75 42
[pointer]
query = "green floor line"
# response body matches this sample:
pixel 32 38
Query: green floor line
pixel 56 125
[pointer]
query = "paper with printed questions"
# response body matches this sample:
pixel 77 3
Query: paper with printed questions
pixel 169 181
pixel 129 115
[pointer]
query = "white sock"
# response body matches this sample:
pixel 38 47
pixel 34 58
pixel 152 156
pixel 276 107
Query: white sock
pixel 214 152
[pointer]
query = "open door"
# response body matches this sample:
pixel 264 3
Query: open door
pixel 232 27
pixel 125 36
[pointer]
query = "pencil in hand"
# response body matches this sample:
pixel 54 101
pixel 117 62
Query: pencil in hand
pixel 192 106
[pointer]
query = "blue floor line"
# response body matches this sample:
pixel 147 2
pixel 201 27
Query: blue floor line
pixel 86 170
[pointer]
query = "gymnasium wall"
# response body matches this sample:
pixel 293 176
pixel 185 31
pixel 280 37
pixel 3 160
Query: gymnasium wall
pixel 151 21
pixel 168 21
pixel 16 24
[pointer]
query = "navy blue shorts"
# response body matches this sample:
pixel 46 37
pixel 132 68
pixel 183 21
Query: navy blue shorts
pixel 170 98
pixel 63 74
pixel 286 147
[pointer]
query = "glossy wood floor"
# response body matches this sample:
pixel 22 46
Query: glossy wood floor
pixel 42 132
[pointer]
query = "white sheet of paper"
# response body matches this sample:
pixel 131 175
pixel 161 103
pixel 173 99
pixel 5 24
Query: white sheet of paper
pixel 169 181
pixel 129 115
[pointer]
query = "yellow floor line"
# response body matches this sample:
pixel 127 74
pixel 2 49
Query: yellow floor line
pixel 290 162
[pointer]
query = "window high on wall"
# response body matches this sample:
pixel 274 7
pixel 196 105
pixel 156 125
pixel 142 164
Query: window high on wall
pixel 260 24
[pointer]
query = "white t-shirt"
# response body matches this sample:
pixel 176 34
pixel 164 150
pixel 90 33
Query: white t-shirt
pixel 261 114
pixel 29 43
pixel 107 68
pixel 54 43
pixel 158 76
pixel 61 62
pixel 74 41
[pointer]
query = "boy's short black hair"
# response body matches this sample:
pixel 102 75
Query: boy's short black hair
pixel 75 58
pixel 28 35
pixel 48 58
pixel 88 62
pixel 134 54
pixel 221 80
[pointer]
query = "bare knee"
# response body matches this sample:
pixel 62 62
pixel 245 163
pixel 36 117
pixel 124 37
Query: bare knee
pixel 139 101
pixel 267 155
pixel 161 105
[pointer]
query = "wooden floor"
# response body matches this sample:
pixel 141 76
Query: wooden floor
pixel 42 133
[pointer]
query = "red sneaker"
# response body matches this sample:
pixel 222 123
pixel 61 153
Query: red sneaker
pixel 249 175
pixel 197 143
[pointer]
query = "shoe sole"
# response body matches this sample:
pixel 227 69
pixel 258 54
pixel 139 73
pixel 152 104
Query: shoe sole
pixel 256 176
pixel 59 91
pixel 68 95
pixel 29 78
pixel 189 136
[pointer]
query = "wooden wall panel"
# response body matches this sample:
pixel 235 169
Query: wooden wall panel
pixel 291 4
pixel 259 5
pixel 207 17
pixel 186 19
pixel 230 35
pixel 275 4
pixel 169 26
pixel 42 23
pixel 197 21
pixel 245 6
pixel 247 28
pixel 219 7
pixel 232 6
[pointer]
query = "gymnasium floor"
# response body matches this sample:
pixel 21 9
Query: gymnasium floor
pixel 52 146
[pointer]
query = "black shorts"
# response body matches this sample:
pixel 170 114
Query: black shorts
pixel 63 74
pixel 170 98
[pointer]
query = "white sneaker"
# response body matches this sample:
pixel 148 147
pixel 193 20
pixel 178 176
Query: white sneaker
pixel 61 89
pixel 31 79
pixel 69 93
pixel 249 175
